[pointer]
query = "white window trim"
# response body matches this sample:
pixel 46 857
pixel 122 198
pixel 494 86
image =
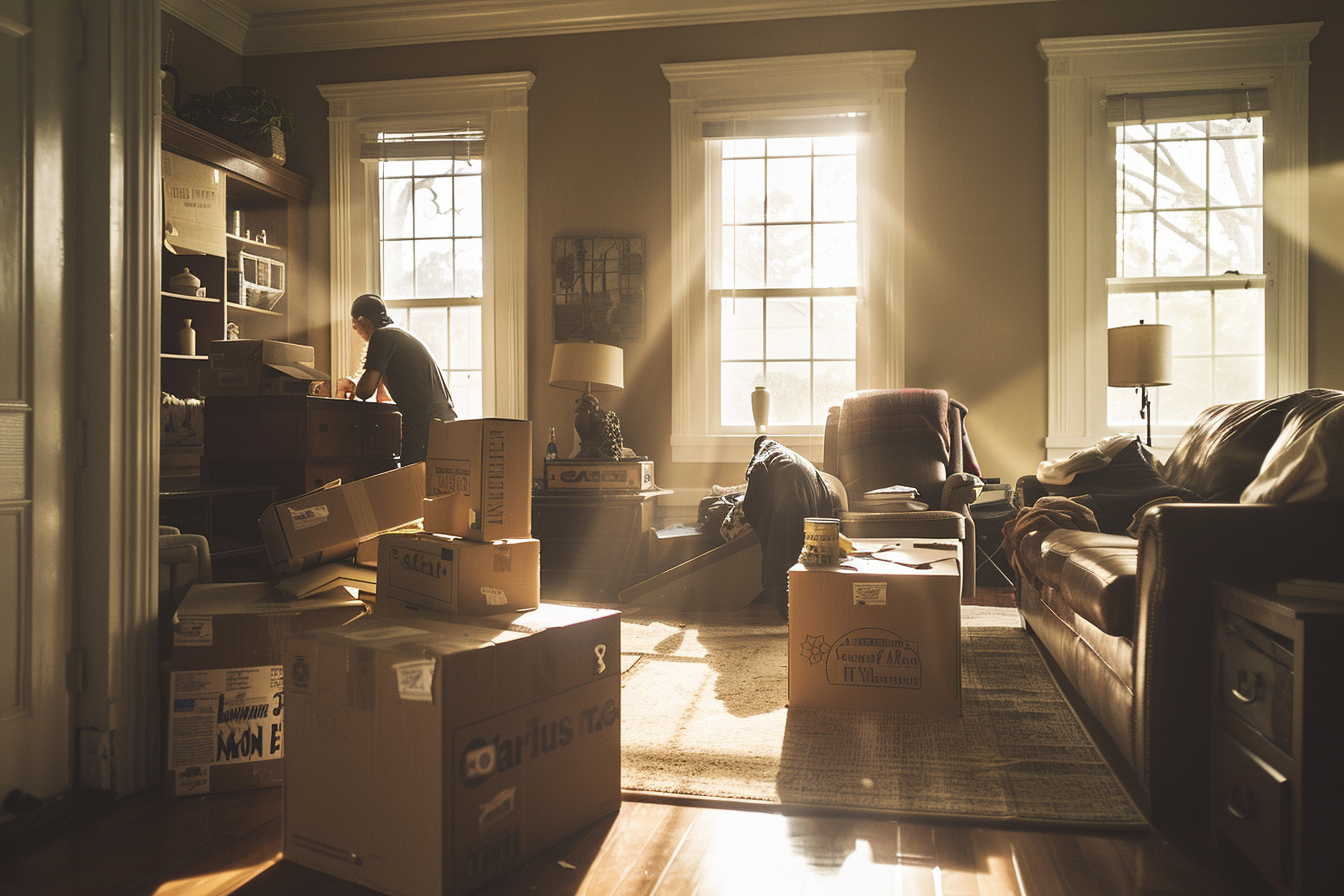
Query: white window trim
pixel 1081 72
pixel 784 85
pixel 496 103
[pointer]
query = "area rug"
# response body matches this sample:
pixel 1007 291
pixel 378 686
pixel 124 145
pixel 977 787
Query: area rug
pixel 704 706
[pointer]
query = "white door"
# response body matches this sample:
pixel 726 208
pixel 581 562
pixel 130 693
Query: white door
pixel 36 713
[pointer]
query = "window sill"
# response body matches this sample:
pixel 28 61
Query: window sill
pixel 737 448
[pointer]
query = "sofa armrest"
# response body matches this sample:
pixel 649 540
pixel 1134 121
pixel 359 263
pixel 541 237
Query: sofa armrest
pixel 1183 549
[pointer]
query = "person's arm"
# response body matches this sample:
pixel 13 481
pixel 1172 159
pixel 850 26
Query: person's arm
pixel 368 384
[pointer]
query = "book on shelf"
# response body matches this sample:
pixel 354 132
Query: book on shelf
pixel 1317 588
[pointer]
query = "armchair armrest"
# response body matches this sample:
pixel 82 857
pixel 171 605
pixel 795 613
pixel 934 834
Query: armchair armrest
pixel 1183 548
pixel 960 491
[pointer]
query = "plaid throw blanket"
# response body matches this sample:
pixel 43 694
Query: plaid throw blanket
pixel 885 415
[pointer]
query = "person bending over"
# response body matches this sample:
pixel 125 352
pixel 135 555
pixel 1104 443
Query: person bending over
pixel 399 362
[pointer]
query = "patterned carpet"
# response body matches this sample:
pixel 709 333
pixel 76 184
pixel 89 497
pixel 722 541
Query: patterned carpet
pixel 704 704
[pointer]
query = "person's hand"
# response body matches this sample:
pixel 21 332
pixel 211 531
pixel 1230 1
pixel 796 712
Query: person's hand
pixel 345 388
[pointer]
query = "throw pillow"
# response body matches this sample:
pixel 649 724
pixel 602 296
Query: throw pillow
pixel 1120 488
pixel 1307 461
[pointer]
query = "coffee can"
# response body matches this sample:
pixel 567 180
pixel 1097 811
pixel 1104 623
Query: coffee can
pixel 821 542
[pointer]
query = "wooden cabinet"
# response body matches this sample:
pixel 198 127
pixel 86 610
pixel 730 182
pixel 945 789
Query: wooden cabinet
pixel 592 544
pixel 297 443
pixel 249 281
pixel 1277 784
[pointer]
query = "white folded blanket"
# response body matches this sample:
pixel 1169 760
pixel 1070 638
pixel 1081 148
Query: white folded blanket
pixel 1061 472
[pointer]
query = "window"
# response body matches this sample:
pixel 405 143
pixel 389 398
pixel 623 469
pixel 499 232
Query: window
pixel 1190 244
pixel 431 249
pixel 788 262
pixel 1156 191
pixel 785 275
pixel 429 209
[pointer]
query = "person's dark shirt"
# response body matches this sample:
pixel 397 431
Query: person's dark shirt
pixel 412 377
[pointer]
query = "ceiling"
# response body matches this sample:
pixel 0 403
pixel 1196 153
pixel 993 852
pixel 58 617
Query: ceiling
pixel 260 27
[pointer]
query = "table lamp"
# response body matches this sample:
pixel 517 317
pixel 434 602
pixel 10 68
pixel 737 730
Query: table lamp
pixel 591 367
pixel 1140 356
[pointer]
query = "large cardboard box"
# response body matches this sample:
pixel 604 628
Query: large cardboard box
pixel 478 479
pixel 429 759
pixel 259 367
pixel 193 207
pixel 224 725
pixel 458 575
pixel 328 524
pixel 624 476
pixel 873 636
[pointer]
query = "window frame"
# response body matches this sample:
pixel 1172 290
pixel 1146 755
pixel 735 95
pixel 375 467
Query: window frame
pixel 1081 73
pixel 494 103
pixel 871 82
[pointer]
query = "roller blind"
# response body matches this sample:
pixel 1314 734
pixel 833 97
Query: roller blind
pixel 809 126
pixel 423 145
pixel 1145 108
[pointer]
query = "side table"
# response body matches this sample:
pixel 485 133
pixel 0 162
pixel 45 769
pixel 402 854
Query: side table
pixel 593 542
pixel 1276 781
pixel 994 506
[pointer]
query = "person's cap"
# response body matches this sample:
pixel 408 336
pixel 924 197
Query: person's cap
pixel 371 308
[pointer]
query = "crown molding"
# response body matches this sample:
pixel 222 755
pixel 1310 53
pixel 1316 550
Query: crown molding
pixel 402 23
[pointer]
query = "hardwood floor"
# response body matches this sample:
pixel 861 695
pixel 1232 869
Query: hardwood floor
pixel 148 844
pixel 151 845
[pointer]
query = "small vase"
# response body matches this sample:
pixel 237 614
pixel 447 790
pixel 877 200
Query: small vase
pixel 188 337
pixel 760 407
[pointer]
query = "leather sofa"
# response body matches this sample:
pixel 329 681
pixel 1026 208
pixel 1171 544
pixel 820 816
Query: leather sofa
pixel 1252 493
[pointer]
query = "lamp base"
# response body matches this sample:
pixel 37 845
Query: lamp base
pixel 599 431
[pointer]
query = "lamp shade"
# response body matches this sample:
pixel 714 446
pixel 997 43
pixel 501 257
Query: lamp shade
pixel 588 366
pixel 1139 355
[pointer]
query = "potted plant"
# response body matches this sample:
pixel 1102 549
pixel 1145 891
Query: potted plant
pixel 251 117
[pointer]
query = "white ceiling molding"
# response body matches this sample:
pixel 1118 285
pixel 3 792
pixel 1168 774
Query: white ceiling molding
pixel 313 25
pixel 219 20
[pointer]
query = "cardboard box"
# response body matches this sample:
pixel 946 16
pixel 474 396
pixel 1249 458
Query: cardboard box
pixel 876 637
pixel 458 575
pixel 224 722
pixel 478 474
pixel 728 577
pixel 599 476
pixel 193 207
pixel 259 367
pixel 328 524
pixel 431 759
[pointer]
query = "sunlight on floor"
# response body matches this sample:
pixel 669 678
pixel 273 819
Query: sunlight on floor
pixel 219 882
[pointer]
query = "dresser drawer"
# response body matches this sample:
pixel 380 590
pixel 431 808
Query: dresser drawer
pixel 1253 683
pixel 1250 805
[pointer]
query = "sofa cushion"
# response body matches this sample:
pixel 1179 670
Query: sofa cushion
pixel 1099 582
pixel 1223 450
pixel 1306 462
pixel 1121 487
pixel 1059 545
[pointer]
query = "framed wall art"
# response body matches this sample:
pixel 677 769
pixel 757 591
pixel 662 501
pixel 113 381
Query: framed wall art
pixel 597 285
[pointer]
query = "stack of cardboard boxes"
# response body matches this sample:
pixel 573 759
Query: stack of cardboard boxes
pixel 463 726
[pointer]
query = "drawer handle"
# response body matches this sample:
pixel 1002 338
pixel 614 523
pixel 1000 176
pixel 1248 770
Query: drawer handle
pixel 1243 812
pixel 1244 696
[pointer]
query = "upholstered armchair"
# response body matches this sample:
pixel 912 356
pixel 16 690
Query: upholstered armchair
pixel 184 560
pixel 878 438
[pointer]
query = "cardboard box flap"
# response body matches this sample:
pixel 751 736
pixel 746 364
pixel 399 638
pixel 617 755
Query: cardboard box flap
pixel 230 598
pixel 321 579
pixel 300 371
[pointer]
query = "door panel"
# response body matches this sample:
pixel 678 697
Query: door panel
pixel 35 608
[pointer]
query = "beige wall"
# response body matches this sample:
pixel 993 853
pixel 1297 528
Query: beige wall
pixel 976 171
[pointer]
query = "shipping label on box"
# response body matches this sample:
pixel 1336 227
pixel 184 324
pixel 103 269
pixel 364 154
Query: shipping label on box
pixel 457 575
pixel 874 639
pixel 609 476
pixel 329 523
pixel 479 474
pixel 481 743
pixel 222 717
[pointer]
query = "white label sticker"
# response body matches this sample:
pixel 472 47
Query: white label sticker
pixel 194 631
pixel 870 594
pixel 494 597
pixel 308 517
pixel 415 679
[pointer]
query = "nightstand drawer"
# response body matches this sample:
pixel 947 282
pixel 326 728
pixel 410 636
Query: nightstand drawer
pixel 1254 684
pixel 1250 805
